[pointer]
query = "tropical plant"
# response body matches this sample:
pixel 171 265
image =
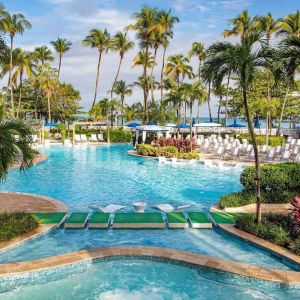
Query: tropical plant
pixel 295 213
pixel 290 25
pixel 13 147
pixel 198 50
pixel 61 46
pixel 43 55
pixel 13 24
pixel 101 40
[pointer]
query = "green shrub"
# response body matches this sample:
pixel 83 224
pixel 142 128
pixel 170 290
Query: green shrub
pixel 285 176
pixel 167 151
pixel 15 224
pixel 273 141
pixel 118 136
pixel 296 246
pixel 236 199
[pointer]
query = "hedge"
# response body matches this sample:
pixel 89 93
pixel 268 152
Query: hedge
pixel 118 136
pixel 273 141
pixel 15 224
pixel 168 151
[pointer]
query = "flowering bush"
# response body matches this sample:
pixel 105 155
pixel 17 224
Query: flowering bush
pixel 296 215
pixel 183 146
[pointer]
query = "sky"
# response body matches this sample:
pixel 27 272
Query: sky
pixel 200 20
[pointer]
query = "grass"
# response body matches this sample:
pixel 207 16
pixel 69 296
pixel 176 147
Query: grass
pixel 15 224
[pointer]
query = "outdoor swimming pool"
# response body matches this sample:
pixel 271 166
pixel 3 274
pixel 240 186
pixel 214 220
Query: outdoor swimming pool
pixel 101 175
pixel 140 279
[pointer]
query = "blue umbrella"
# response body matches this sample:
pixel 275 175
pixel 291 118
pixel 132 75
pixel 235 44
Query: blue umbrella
pixel 51 124
pixel 194 121
pixel 236 125
pixel 151 123
pixel 133 125
pixel 256 123
pixel 183 126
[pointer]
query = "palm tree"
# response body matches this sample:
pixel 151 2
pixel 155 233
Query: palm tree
pixel 198 50
pixel 121 44
pixel 177 66
pixel 43 55
pixel 290 25
pixel 13 24
pixel 11 148
pixel 243 24
pixel 48 80
pixel 122 89
pixel 100 40
pixel 208 73
pixel 61 46
pixel 23 65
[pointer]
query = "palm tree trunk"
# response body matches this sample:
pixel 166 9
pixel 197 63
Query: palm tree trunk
pixel 198 113
pixel 219 108
pixel 282 109
pixel 122 110
pixel 107 130
pixel 59 64
pixel 162 75
pixel 151 74
pixel 208 102
pixel 199 71
pixel 20 94
pixel 146 87
pixel 97 79
pixel 10 77
pixel 257 161
pixel 226 100
pixel 116 78
pixel 49 107
pixel 191 125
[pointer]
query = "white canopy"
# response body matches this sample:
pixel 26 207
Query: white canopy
pixel 151 128
pixel 207 125
pixel 170 125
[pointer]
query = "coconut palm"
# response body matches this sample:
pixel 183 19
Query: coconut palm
pixel 61 46
pixel 48 80
pixel 12 148
pixel 290 25
pixel 121 44
pixel 198 50
pixel 243 24
pixel 24 64
pixel 131 112
pixel 122 89
pixel 13 24
pixel 101 40
pixel 43 55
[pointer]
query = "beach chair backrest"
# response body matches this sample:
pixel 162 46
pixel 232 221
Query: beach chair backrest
pixel 94 137
pixel 289 139
pixel 83 137
pixel 286 154
pixel 236 151
pixel 278 149
pixel 271 153
pixel 220 150
pixel 293 141
pixel 77 137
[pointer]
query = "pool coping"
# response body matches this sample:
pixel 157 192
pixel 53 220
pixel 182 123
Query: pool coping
pixel 279 252
pixel 188 258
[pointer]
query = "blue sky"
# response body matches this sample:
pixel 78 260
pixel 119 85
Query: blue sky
pixel 201 20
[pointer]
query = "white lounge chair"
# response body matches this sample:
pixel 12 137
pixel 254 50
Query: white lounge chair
pixel 110 208
pixel 83 138
pixel 94 137
pixel 77 138
pixel 162 160
pixel 165 207
pixel 101 138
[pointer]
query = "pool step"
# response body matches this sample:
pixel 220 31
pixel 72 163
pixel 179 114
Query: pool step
pixel 99 220
pixel 199 219
pixel 177 220
pixel 138 220
pixel 76 220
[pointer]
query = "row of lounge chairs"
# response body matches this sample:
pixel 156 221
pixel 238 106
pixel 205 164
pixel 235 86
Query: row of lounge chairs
pixel 131 220
pixel 82 138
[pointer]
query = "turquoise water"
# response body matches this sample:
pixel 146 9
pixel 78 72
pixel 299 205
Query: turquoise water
pixel 102 175
pixel 140 279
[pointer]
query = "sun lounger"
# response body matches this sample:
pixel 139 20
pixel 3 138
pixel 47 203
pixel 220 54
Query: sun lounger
pixel 165 207
pixel 162 160
pixel 199 220
pixel 101 138
pixel 83 138
pixel 99 220
pixel 110 208
pixel 177 220
pixel 138 220
pixel 77 138
pixel 93 137
pixel 51 218
pixel 76 220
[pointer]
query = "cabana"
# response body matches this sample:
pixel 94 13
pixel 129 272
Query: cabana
pixel 144 129
pixel 99 123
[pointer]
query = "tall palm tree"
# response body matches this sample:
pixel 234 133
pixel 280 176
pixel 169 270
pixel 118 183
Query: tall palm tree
pixel 122 89
pixel 243 24
pixel 101 40
pixel 207 74
pixel 177 66
pixel 198 50
pixel 61 46
pixel 144 26
pixel 290 25
pixel 121 44
pixel 24 64
pixel 11 148
pixel 13 24
pixel 43 55
pixel 48 80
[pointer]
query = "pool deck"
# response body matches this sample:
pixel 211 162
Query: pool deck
pixel 21 202
pixel 156 253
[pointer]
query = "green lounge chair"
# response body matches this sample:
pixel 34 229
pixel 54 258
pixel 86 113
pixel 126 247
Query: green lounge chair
pixel 177 220
pixel 199 220
pixel 99 220
pixel 138 220
pixel 76 220
pixel 56 218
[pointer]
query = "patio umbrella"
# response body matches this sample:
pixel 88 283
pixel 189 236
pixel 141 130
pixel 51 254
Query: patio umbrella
pixel 51 124
pixel 236 125
pixel 256 123
pixel 133 125
pixel 183 126
pixel 151 123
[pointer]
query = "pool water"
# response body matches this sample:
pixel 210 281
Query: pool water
pixel 204 241
pixel 133 279
pixel 102 175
